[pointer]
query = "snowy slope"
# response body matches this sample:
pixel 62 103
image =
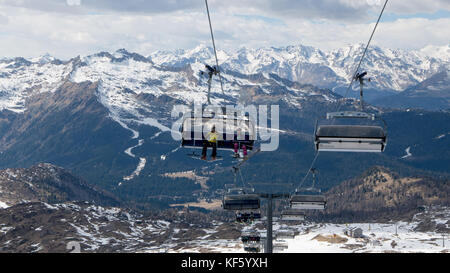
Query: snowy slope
pixel 377 237
pixel 401 236
pixel 18 76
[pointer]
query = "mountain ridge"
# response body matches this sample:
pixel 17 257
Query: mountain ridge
pixel 380 194
pixel 48 183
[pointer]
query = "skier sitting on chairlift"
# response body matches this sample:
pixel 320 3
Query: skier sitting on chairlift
pixel 240 136
pixel 210 141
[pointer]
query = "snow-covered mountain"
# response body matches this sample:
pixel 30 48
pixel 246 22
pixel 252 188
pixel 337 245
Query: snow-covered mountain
pixel 47 183
pixel 128 85
pixel 432 94
pixel 175 73
pixel 126 77
pixel 391 69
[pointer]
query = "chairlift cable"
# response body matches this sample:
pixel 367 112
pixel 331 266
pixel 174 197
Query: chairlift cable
pixel 242 178
pixel 313 170
pixel 214 46
pixel 309 170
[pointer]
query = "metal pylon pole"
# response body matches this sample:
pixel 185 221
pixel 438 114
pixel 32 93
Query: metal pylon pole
pixel 269 247
pixel 361 95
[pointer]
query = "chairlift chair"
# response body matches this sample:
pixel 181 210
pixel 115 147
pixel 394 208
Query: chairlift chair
pixel 231 130
pixel 292 215
pixel 354 136
pixel 308 198
pixel 280 246
pixel 251 237
pixel 247 216
pixel 303 201
pixel 285 234
pixel 350 137
pixel 238 199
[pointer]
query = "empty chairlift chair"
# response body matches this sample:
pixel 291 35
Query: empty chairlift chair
pixel 238 199
pixel 285 234
pixel 292 215
pixel 308 202
pixel 364 136
pixel 232 130
pixel 280 246
pixel 308 198
pixel 244 217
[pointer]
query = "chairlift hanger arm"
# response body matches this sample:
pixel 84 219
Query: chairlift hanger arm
pixel 238 166
pixel 364 54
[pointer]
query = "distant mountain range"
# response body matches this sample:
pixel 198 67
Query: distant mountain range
pixel 391 70
pixel 431 94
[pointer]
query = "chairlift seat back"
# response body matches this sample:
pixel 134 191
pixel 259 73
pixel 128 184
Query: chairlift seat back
pixel 287 234
pixel 230 130
pixel 292 215
pixel 245 216
pixel 308 202
pixel 241 202
pixel 280 247
pixel 350 138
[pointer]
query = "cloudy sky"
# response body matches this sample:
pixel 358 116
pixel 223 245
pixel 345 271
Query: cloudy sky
pixel 67 28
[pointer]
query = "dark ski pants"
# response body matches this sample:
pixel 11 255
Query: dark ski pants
pixel 207 144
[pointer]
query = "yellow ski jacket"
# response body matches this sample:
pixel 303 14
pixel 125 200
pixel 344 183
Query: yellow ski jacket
pixel 212 137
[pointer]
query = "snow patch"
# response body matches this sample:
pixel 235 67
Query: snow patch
pixel 408 153
pixel 128 151
pixel 441 136
pixel 139 168
pixel 3 205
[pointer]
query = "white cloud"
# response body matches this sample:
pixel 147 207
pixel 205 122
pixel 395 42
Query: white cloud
pixel 73 2
pixel 414 33
pixel 418 6
pixel 30 31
